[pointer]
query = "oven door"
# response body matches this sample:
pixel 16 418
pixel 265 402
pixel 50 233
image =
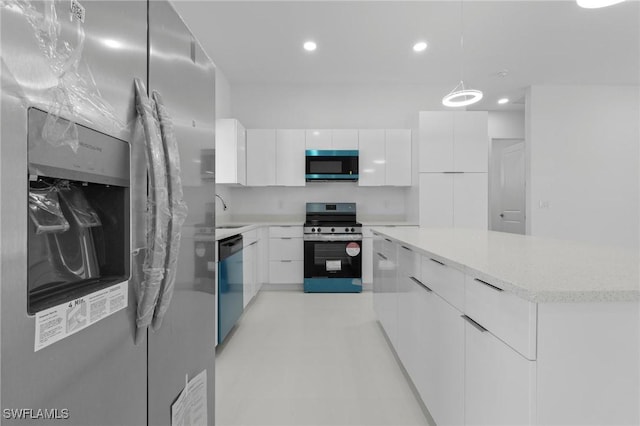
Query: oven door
pixel 327 256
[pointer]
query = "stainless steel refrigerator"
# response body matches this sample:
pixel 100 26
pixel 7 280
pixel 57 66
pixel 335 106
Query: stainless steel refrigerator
pixel 74 213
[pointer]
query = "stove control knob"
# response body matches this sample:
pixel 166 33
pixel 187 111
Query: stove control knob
pixel 346 229
pixel 353 230
pixel 319 229
pixel 313 229
pixel 333 229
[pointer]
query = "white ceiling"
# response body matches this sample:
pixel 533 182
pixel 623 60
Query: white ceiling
pixel 370 42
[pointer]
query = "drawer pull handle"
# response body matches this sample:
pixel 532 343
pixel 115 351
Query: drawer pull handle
pixel 406 248
pixel 388 240
pixel 286 238
pixel 437 261
pixel 286 261
pixel 382 256
pixel 449 173
pixel 478 327
pixel 252 244
pixel 417 281
pixel 488 285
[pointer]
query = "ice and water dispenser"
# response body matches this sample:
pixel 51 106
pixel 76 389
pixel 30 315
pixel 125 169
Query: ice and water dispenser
pixel 78 213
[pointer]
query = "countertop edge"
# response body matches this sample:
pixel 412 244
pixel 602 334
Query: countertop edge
pixel 543 296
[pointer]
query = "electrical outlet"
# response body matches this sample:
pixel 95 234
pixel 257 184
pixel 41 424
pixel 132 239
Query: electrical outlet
pixel 543 204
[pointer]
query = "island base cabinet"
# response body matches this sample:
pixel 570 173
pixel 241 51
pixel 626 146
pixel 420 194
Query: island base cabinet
pixel 589 363
pixel 441 379
pixel 499 384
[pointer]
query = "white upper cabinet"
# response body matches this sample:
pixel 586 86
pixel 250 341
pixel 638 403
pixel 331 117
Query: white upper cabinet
pixel 436 141
pixel 344 139
pixel 324 139
pixel 318 139
pixel 290 157
pixel 384 157
pixel 231 160
pixel 261 157
pixel 470 200
pixel 398 157
pixel 471 141
pixel 372 158
pixel 454 141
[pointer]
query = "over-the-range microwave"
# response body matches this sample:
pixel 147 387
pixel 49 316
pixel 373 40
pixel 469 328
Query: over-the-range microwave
pixel 331 165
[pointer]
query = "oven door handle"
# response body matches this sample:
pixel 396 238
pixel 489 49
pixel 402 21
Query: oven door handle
pixel 334 237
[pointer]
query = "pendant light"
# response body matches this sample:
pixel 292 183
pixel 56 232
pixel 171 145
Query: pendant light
pixel 460 95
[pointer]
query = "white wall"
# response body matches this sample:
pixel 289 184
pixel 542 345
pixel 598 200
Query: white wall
pixel 223 110
pixel 335 106
pixel 583 155
pixel 506 124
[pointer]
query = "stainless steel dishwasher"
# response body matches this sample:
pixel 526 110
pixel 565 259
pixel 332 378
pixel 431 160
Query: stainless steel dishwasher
pixel 230 283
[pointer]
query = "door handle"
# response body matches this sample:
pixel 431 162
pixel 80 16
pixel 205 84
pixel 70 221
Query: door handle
pixel 417 281
pixel 477 326
pixel 488 285
pixel 154 262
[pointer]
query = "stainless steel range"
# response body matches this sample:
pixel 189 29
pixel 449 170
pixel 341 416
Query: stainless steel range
pixel 332 249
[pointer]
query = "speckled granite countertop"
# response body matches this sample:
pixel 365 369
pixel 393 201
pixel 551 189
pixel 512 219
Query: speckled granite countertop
pixel 534 268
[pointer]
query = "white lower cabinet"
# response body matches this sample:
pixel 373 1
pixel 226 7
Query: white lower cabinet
pixel 499 382
pixel 286 255
pixel 386 287
pixel 441 383
pixel 367 260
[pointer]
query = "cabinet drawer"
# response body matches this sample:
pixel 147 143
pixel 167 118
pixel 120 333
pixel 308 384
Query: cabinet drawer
pixel 286 272
pixel 285 231
pixel 445 280
pixel 286 249
pixel 249 237
pixel 408 262
pixel 505 315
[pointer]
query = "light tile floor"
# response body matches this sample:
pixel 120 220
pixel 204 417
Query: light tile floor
pixel 311 359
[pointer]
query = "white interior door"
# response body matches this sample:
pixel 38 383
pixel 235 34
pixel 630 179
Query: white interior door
pixel 512 190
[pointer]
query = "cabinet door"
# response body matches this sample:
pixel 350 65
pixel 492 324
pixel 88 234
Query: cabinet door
pixel 318 139
pixel 261 157
pixel 398 157
pixel 226 151
pixel 344 139
pixel 377 284
pixel 436 200
pixel 390 292
pixel 436 141
pixel 441 384
pixel 248 276
pixel 290 158
pixel 409 292
pixel 499 382
pixel 241 140
pixel 367 260
pixel 471 141
pixel 372 158
pixel 470 200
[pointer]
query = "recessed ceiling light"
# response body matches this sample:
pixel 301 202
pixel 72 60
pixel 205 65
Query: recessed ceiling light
pixel 595 4
pixel 419 46
pixel 310 46
pixel 503 101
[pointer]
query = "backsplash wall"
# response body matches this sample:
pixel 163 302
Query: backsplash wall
pixel 268 203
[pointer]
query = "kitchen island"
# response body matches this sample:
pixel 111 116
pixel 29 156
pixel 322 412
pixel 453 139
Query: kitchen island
pixel 496 328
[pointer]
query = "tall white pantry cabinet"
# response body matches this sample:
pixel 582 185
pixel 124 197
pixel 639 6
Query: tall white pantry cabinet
pixel 454 152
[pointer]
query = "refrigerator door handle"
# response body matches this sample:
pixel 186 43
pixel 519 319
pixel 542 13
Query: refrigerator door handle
pixel 157 214
pixel 176 206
